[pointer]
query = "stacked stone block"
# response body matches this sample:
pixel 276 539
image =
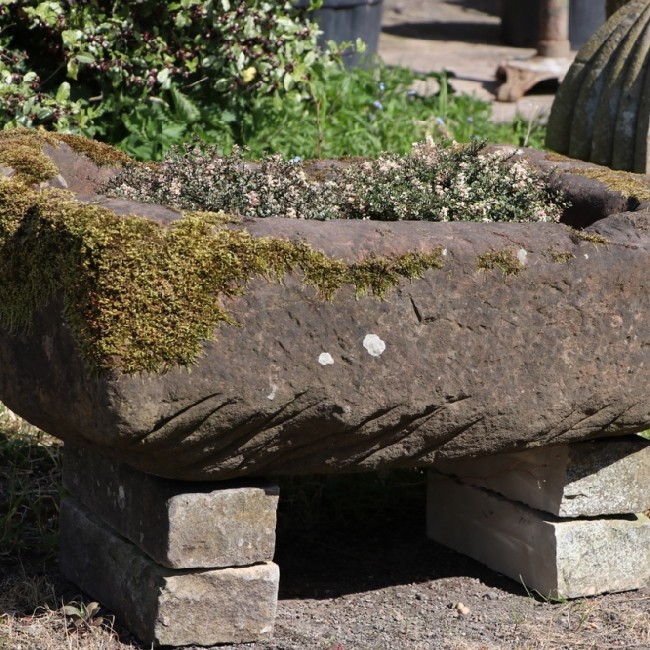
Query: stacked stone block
pixel 180 563
pixel 566 521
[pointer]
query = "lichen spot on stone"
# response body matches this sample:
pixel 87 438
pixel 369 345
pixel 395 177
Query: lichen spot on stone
pixel 444 252
pixel 374 345
pixel 325 359
pixel 121 497
pixel 522 256
pixel 586 256
pixel 274 390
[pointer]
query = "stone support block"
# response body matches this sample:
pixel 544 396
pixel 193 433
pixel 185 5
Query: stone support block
pixel 179 524
pixel 585 479
pixel 160 605
pixel 558 558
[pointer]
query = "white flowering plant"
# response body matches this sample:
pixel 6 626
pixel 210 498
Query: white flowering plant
pixel 433 183
pixel 455 183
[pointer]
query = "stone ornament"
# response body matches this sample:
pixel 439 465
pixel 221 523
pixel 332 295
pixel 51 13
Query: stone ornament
pixel 601 112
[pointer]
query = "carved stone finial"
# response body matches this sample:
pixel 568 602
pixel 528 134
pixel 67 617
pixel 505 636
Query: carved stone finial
pixel 601 112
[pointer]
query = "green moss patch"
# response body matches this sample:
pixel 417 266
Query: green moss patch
pixel 142 297
pixel 22 149
pixel 553 156
pixel 631 186
pixel 505 261
pixel 559 257
pixel 592 238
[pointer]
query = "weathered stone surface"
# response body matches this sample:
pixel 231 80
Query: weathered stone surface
pixel 601 111
pixel 180 525
pixel 475 362
pixel 592 192
pixel 585 479
pixel 81 174
pixel 614 5
pixel 163 606
pixel 627 127
pixel 463 362
pixel 558 558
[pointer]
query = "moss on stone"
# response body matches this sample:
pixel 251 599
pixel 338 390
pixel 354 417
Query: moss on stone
pixel 29 163
pixel 139 296
pixel 629 185
pixel 504 260
pixel 592 238
pixel 212 217
pixel 101 154
pixel 553 156
pixel 559 257
pixel 22 149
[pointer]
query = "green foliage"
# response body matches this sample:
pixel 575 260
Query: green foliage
pixel 434 183
pixel 365 111
pixel 361 111
pixel 151 74
pixel 104 67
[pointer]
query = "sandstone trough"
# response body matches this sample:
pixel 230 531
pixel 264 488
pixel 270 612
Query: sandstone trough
pixel 515 337
pixel 527 335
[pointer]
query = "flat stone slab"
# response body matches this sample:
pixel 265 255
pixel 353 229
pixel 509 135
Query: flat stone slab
pixel 600 477
pixel 559 558
pixel 180 525
pixel 163 606
pixel 471 359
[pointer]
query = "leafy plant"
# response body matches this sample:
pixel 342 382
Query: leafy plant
pixel 96 66
pixel 368 110
pixel 80 616
pixel 151 74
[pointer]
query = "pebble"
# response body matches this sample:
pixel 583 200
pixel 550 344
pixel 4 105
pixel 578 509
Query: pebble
pixel 463 610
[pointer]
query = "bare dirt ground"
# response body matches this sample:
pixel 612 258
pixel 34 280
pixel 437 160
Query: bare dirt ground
pixel 364 576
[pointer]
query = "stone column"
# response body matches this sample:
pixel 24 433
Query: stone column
pixel 551 61
pixel 554 29
pixel 179 563
pixel 566 521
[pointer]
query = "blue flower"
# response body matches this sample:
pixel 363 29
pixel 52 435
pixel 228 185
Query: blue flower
pixel 382 86
pixel 412 92
pixel 439 120
pixel 378 105
pixel 296 159
pixel 470 119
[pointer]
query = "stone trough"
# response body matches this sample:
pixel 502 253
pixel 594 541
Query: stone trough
pixel 521 338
